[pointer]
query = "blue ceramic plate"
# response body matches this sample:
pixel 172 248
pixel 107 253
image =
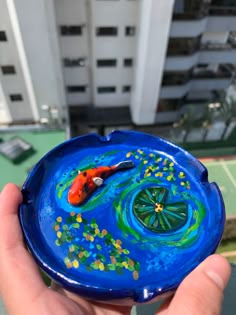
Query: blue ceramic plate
pixel 138 234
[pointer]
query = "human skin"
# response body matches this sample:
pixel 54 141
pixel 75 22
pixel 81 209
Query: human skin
pixel 24 292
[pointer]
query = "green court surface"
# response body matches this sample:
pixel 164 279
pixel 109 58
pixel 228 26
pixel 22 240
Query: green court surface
pixel 223 172
pixel 42 141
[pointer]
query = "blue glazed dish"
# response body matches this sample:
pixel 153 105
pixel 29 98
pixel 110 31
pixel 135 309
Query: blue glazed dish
pixel 137 235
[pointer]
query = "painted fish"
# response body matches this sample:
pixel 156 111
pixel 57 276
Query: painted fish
pixel 87 181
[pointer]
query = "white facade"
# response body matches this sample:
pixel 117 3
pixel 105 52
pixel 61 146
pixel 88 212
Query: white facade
pixel 102 53
pixel 32 56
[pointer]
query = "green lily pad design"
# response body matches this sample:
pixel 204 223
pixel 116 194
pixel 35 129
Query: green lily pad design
pixel 154 213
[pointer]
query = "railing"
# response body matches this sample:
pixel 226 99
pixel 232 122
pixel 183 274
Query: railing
pixel 217 46
pixel 181 79
pixel 222 10
pixel 196 11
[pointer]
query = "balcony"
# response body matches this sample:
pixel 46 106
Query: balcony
pixel 179 84
pixel 190 9
pixel 221 10
pixel 208 53
pixel 183 46
pixel 188 28
pixel 218 53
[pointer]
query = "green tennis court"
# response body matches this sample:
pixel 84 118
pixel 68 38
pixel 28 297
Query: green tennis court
pixel 223 172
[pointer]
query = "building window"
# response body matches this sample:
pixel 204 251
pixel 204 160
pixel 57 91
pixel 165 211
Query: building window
pixel 16 97
pixel 107 31
pixel 8 69
pixel 130 31
pixel 106 63
pixel 76 88
pixel 126 88
pixel 77 62
pixel 71 30
pixel 128 62
pixel 3 36
pixel 106 89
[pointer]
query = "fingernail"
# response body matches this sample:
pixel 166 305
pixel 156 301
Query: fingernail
pixel 216 278
pixel 218 270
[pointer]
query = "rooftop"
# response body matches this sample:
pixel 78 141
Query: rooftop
pixel 42 142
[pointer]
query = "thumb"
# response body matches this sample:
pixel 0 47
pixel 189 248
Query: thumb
pixel 202 291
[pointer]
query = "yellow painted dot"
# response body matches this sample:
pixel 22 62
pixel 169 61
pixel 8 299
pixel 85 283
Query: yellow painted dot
pixel 59 234
pixel 97 231
pixel 75 263
pixel 79 219
pixel 182 183
pixel 128 154
pixel 125 264
pixel 151 154
pixel 59 219
pixel 101 266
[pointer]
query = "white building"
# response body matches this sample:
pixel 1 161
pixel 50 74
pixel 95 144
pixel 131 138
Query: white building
pixel 146 57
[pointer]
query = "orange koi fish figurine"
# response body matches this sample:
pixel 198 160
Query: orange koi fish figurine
pixel 87 181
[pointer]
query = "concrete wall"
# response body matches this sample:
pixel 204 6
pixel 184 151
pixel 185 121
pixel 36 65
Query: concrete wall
pixel 154 23
pixel 15 83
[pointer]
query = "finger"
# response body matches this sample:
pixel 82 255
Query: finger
pixel 201 292
pixel 20 278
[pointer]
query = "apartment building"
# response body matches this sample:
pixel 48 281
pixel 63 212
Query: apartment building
pixel 113 61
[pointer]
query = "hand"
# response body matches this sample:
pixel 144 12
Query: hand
pixel 24 291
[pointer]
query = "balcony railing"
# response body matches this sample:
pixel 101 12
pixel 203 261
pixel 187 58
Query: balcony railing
pixel 217 46
pixel 207 74
pixel 193 10
pixel 183 46
pixel 178 79
pixel 222 10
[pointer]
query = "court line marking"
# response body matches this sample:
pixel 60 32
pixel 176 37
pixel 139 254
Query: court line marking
pixel 227 171
pixel 233 162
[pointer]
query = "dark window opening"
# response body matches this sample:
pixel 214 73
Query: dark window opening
pixel 16 97
pixel 78 62
pixel 76 88
pixel 168 105
pixel 71 30
pixel 183 46
pixel 128 62
pixel 8 69
pixel 3 36
pixel 106 31
pixel 126 88
pixel 130 31
pixel 106 63
pixel 106 89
